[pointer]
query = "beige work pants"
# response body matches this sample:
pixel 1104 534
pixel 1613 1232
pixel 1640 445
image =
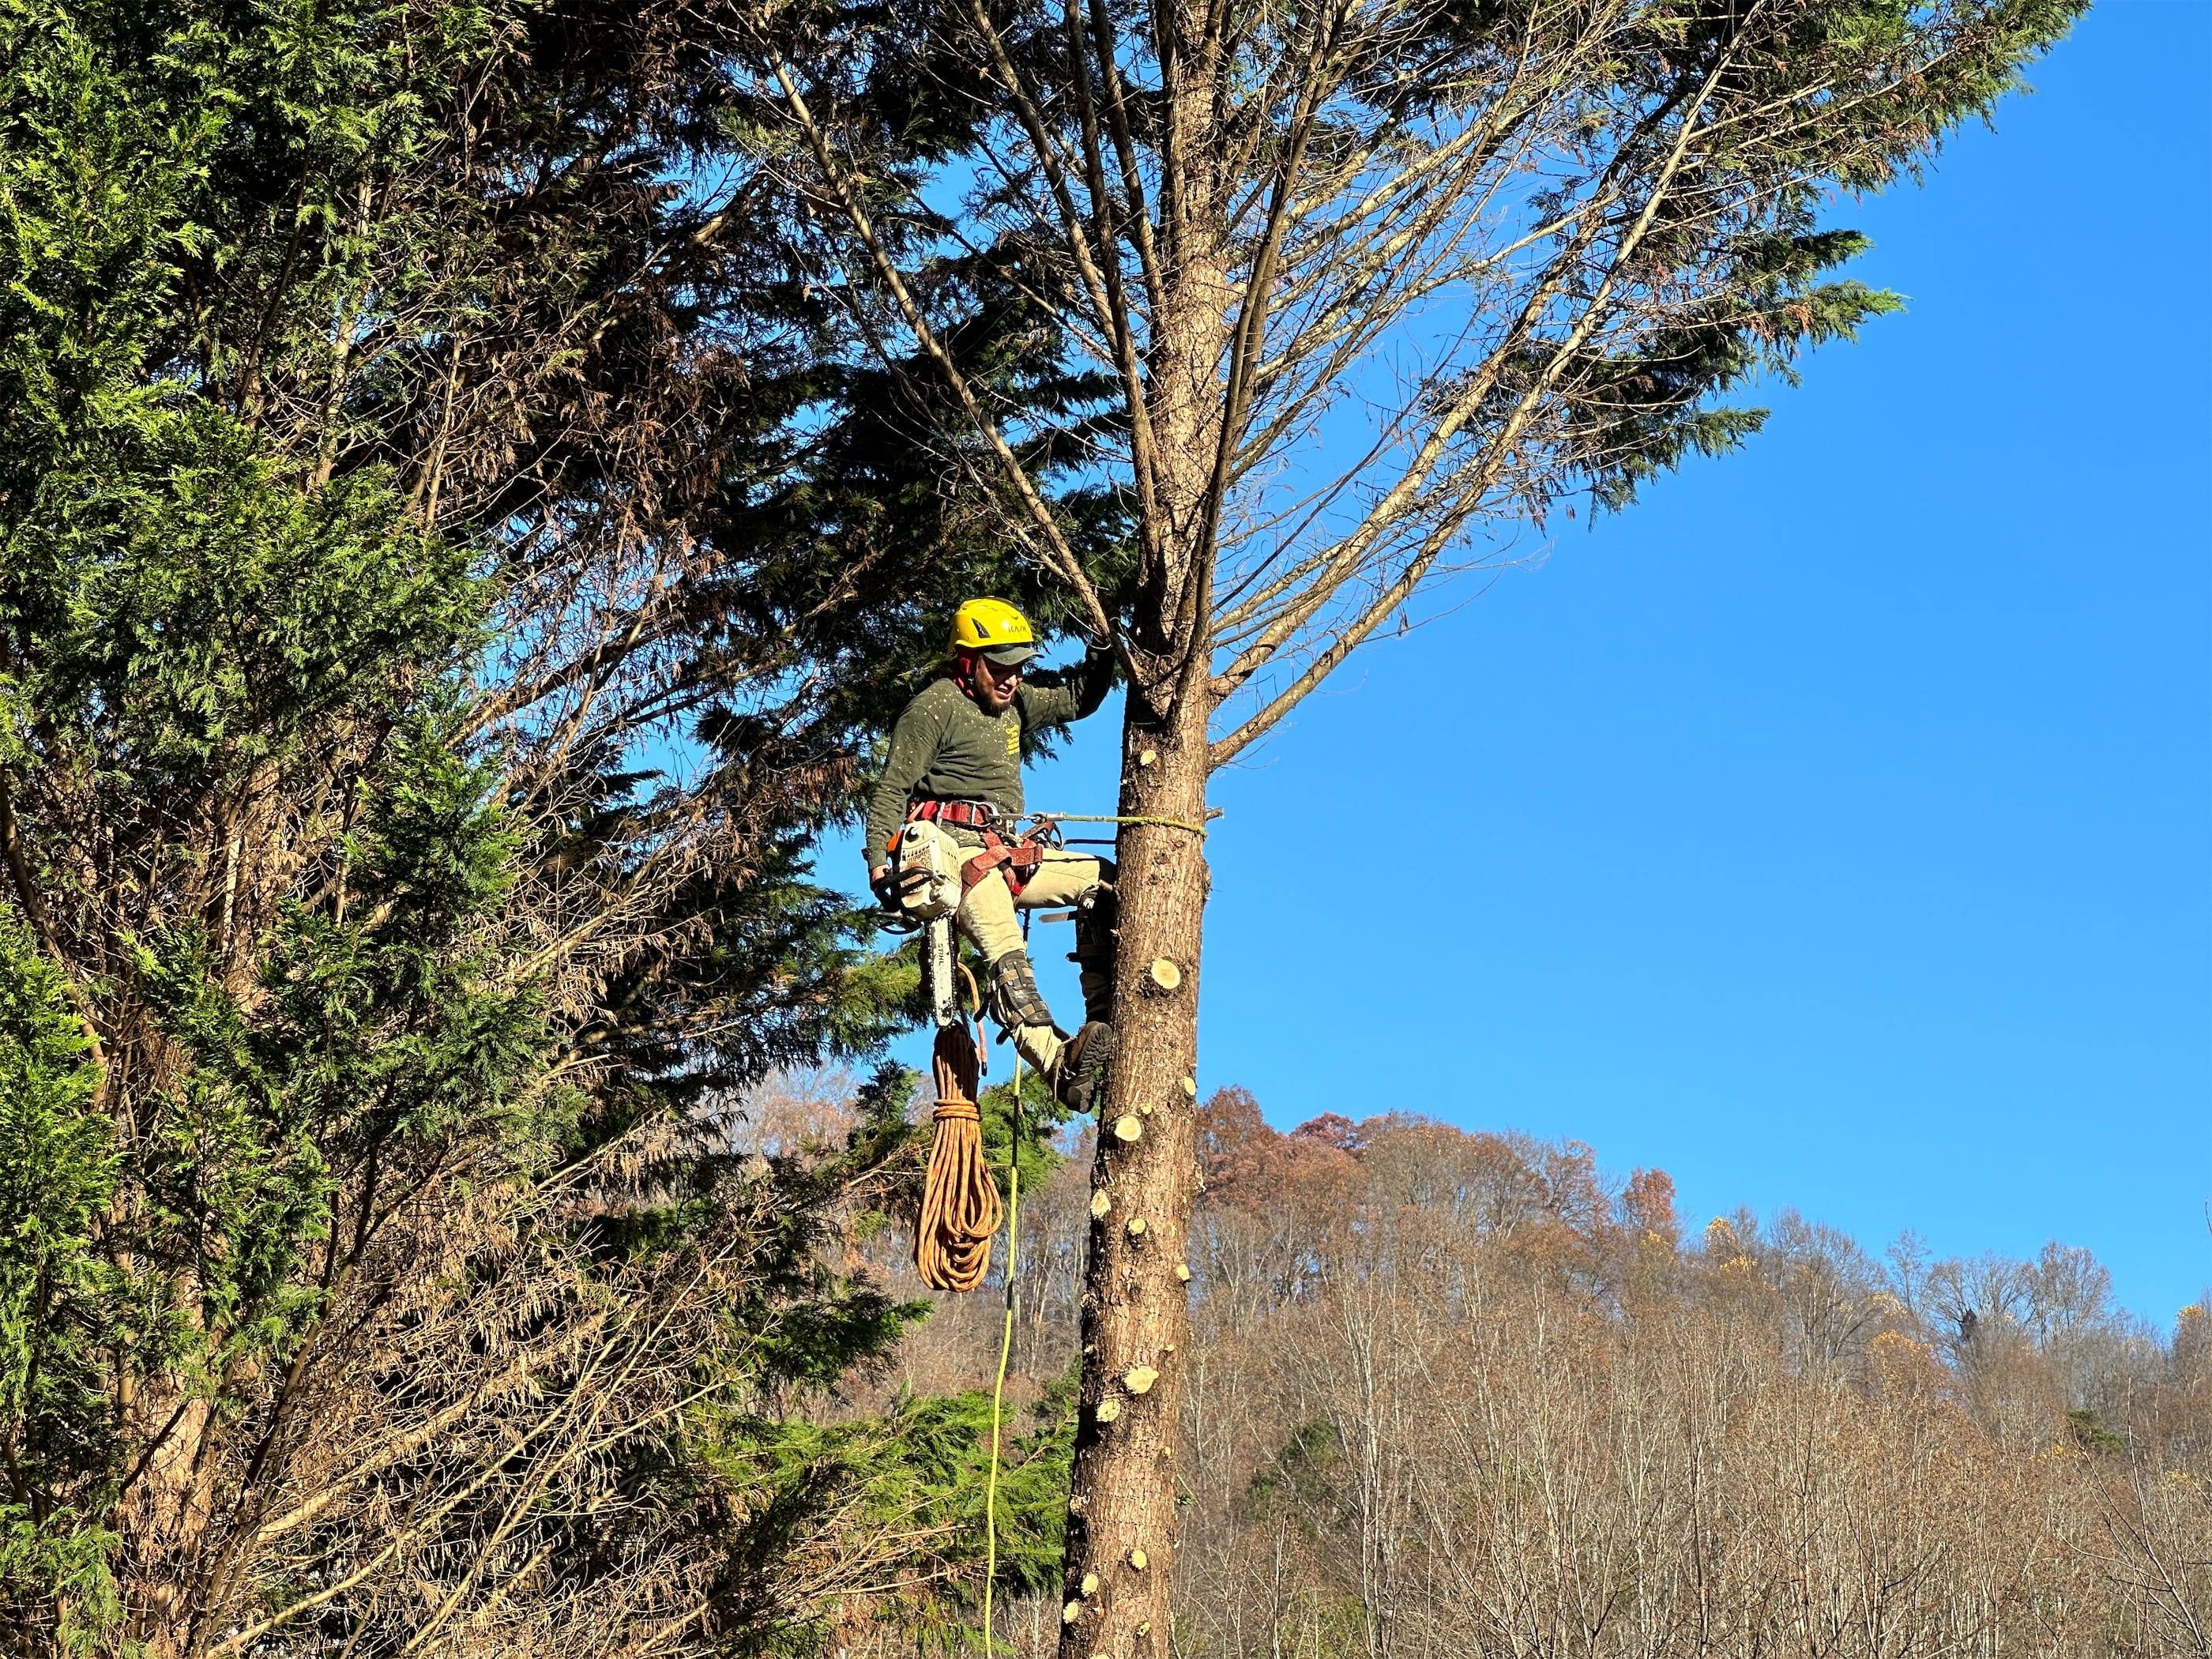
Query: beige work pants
pixel 987 915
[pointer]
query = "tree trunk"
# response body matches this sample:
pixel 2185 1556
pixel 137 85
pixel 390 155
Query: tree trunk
pixel 1120 1552
pixel 1136 1318
pixel 165 1525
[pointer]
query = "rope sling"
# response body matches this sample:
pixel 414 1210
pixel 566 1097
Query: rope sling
pixel 960 1207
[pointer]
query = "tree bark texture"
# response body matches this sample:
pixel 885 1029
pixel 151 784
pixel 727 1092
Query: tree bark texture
pixel 1136 1319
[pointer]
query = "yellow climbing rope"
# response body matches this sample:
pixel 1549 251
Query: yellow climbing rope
pixel 1198 829
pixel 960 1211
pixel 1005 1349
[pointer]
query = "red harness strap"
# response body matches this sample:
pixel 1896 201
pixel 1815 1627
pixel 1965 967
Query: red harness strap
pixel 1020 860
pixel 969 814
pixel 1018 857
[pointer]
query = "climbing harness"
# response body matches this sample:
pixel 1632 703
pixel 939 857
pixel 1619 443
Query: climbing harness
pixel 919 864
pixel 1019 857
pixel 968 814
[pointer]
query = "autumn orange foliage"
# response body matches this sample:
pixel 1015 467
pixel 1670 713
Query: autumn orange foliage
pixel 1462 1393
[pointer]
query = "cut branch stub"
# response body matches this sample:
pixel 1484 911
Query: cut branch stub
pixel 1165 975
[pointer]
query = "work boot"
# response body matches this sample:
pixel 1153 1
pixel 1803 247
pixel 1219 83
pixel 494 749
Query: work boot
pixel 1078 1080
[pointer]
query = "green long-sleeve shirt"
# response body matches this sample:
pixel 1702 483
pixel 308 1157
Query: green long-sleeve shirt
pixel 945 747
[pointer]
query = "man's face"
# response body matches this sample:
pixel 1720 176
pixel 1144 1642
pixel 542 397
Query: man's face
pixel 995 683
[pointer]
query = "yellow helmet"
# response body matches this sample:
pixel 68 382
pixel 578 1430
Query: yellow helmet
pixel 994 629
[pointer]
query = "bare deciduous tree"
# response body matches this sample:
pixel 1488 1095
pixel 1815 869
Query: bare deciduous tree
pixel 1371 283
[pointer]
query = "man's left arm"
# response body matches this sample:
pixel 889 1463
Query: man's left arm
pixel 1064 696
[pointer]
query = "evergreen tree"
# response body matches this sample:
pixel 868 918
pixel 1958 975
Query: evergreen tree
pixel 444 580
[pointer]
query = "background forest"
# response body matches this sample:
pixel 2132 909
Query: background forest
pixel 1464 1392
pixel 457 552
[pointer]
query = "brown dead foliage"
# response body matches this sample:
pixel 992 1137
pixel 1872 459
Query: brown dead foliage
pixel 1458 1393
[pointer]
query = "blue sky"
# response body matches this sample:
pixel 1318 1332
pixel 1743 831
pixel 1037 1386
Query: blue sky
pixel 1831 828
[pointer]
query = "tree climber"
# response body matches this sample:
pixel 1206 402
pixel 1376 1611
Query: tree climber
pixel 954 773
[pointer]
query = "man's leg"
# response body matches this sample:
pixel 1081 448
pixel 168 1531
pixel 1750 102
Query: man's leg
pixel 987 916
pixel 1086 884
pixel 1076 879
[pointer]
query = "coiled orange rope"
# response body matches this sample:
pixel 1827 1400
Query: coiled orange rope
pixel 960 1207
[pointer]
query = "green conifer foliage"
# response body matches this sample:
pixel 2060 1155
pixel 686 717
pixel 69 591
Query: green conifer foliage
pixel 442 590
pixel 57 1175
pixel 254 961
